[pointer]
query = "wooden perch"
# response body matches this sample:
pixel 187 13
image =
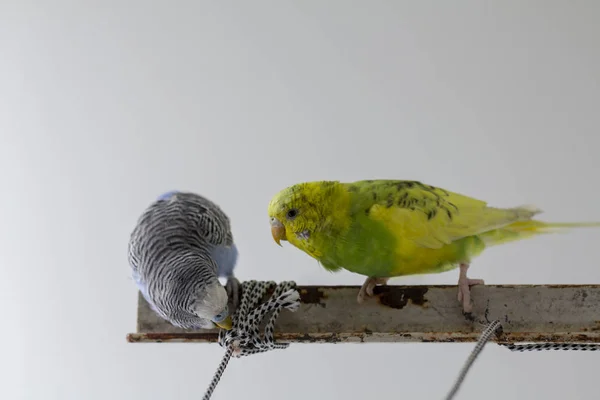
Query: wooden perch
pixel 330 314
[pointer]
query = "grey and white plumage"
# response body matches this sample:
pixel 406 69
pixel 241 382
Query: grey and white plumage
pixel 180 246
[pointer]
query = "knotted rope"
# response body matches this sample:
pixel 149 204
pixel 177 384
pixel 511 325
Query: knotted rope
pixel 244 338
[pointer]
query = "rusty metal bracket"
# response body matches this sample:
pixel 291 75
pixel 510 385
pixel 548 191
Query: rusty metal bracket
pixel 330 314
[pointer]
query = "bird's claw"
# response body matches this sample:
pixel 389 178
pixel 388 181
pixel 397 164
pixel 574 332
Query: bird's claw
pixel 233 293
pixel 464 290
pixel 366 289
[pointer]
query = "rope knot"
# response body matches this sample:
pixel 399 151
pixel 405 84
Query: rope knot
pixel 244 338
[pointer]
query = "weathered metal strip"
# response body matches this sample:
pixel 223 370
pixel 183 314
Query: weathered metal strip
pixel 330 314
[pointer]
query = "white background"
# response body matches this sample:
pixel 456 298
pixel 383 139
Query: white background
pixel 106 105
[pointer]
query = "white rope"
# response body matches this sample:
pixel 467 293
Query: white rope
pixel 551 346
pixel 495 326
pixel 483 339
pixel 244 338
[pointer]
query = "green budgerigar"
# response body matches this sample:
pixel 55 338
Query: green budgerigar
pixel 389 228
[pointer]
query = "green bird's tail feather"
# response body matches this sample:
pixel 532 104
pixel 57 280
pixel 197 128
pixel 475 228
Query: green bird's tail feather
pixel 526 229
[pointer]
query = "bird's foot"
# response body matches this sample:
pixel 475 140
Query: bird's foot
pixel 464 288
pixel 367 288
pixel 233 293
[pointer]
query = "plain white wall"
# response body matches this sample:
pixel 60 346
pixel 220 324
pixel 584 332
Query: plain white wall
pixel 105 105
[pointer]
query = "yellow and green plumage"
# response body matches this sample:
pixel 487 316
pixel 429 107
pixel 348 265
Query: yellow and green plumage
pixel 390 228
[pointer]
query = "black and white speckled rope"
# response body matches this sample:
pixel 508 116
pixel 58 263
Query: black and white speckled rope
pixel 486 335
pixel 244 338
pixel 483 339
pixel 551 346
pixel 217 376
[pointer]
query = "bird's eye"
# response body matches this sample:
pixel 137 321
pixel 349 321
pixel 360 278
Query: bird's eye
pixel 291 214
pixel 222 315
pixel 219 317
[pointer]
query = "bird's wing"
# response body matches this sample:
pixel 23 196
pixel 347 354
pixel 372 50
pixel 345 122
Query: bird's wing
pixel 207 218
pixel 433 217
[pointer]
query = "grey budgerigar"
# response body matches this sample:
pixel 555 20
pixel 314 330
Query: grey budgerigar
pixel 181 245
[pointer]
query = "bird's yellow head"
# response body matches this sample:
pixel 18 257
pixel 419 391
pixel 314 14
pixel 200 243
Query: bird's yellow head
pixel 299 211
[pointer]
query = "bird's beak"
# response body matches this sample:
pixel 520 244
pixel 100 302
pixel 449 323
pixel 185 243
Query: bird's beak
pixel 225 324
pixel 277 230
